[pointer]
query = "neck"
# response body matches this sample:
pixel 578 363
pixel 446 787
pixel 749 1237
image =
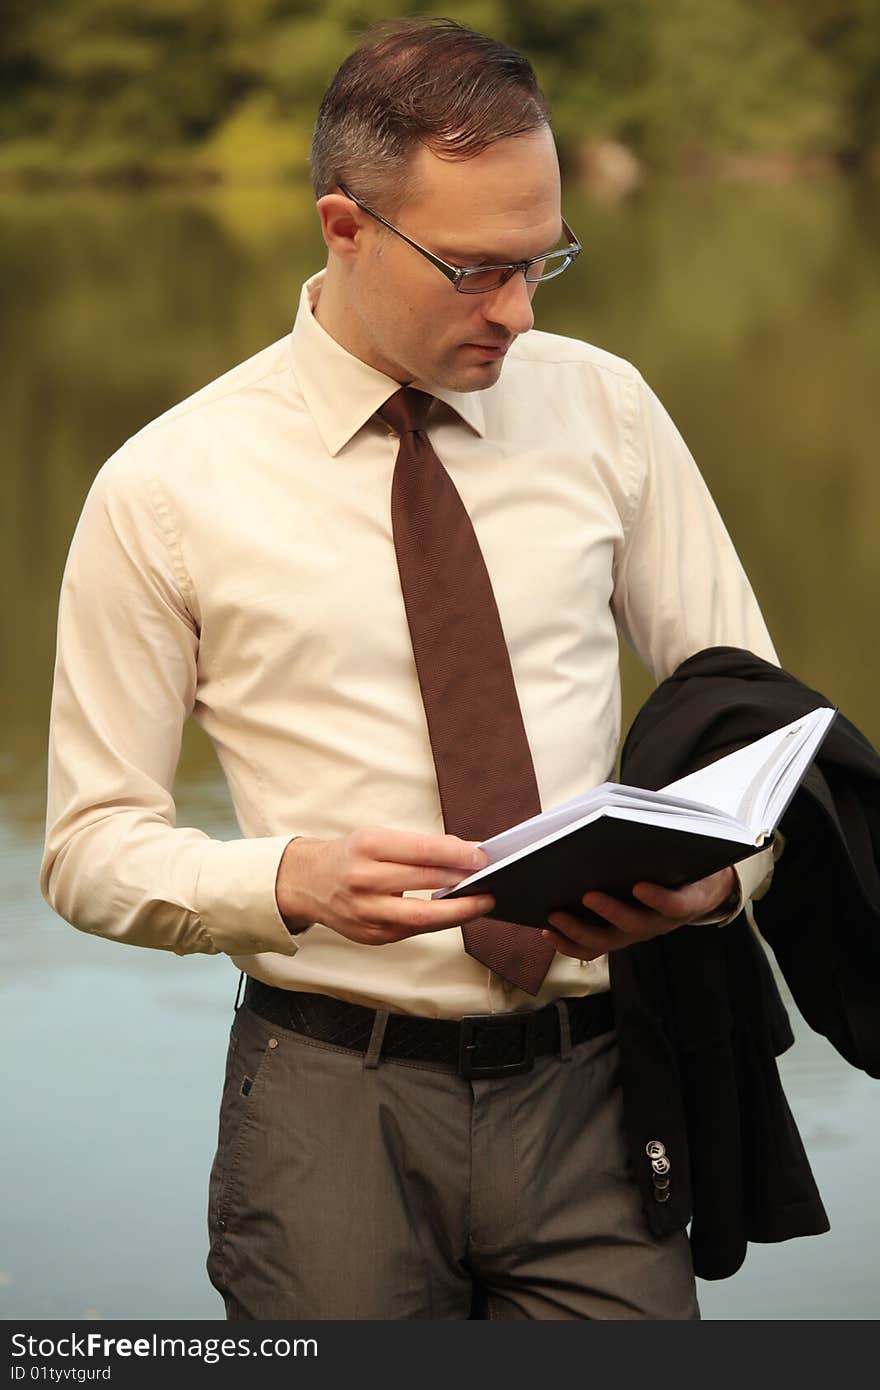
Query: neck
pixel 335 313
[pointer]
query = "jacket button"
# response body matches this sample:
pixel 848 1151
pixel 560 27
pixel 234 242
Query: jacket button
pixel 660 1165
pixel 654 1149
pixel 662 1194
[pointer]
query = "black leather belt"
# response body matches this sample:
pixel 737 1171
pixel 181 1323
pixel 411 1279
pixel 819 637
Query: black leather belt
pixel 479 1046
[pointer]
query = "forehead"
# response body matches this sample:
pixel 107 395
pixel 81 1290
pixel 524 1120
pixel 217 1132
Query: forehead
pixel 505 196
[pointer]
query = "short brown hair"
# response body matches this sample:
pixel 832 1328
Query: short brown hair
pixel 419 81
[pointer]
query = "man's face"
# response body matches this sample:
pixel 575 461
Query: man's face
pixel 409 321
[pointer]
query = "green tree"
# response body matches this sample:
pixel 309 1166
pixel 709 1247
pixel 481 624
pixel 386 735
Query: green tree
pixel 229 87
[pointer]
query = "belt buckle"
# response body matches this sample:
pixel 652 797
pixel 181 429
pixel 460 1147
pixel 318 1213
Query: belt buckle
pixel 472 1024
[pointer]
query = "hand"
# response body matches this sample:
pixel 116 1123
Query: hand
pixel 355 885
pixel 664 909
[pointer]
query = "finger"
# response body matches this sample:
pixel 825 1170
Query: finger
pixel 412 847
pixel 580 951
pixel 689 900
pixel 637 923
pixel 380 877
pixel 584 937
pixel 677 903
pixel 414 916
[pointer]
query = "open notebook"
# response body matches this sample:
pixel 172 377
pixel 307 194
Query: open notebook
pixel 615 836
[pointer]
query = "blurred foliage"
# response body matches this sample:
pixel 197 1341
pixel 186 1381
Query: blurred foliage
pixel 228 89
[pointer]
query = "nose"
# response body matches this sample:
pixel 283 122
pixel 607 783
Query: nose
pixel 511 305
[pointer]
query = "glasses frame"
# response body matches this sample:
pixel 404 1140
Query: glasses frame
pixel 458 274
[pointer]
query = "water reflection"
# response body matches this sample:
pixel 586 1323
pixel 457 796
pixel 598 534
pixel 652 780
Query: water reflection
pixel 755 313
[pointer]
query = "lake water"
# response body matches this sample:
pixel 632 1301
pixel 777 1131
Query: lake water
pixel 755 314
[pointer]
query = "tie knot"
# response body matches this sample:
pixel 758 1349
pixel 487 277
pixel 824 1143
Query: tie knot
pixel 407 410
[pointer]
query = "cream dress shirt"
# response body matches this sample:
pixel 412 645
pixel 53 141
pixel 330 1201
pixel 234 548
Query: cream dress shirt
pixel 234 561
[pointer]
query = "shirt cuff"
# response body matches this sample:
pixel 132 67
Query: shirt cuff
pixel 753 876
pixel 235 896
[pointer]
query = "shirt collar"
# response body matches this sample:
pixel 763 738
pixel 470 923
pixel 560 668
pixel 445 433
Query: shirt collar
pixel 342 392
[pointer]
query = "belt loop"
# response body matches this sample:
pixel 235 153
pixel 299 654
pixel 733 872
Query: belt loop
pixel 237 1003
pixel 377 1037
pixel 564 1030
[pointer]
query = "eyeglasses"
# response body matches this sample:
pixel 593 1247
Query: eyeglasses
pixel 478 279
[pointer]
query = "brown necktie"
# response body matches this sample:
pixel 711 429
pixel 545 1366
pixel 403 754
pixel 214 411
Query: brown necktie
pixel 484 765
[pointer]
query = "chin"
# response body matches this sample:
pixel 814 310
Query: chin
pixel 476 378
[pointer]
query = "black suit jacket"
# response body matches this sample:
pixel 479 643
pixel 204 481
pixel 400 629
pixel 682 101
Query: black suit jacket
pixel 698 1014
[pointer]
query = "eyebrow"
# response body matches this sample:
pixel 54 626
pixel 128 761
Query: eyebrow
pixel 487 258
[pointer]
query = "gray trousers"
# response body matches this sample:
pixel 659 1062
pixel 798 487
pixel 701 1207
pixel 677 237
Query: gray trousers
pixel 398 1190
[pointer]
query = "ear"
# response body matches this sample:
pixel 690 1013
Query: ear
pixel 342 223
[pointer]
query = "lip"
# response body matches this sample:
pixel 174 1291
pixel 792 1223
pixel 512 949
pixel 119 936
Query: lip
pixel 489 350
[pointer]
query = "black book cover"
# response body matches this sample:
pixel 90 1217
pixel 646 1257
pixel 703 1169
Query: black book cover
pixel 608 855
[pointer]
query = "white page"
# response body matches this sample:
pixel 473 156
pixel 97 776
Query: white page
pixel 779 794
pixel 733 780
pixel 544 823
pixel 568 813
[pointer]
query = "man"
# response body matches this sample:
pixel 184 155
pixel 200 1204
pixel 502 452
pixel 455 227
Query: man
pixel 262 557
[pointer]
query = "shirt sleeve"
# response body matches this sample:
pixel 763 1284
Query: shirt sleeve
pixel 679 585
pixel 753 878
pixel 115 864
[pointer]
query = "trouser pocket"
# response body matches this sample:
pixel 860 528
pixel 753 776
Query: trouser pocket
pixel 252 1045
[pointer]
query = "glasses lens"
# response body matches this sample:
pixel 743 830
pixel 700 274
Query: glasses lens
pixel 478 281
pixel 554 264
